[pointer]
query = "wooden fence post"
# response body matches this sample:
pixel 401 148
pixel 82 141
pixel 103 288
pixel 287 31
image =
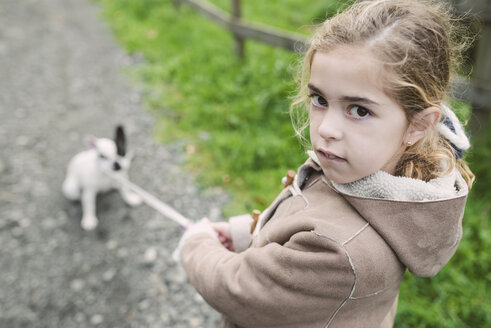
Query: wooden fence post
pixel 176 3
pixel 239 41
pixel 478 93
pixel 481 83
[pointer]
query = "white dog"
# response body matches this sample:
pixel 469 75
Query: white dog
pixel 85 176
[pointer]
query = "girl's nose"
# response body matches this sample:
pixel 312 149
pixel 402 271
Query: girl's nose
pixel 331 125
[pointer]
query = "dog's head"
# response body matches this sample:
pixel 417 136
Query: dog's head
pixel 112 154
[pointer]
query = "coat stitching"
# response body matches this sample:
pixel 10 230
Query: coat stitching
pixel 354 274
pixel 351 293
pixel 356 234
pixel 349 258
pixel 295 193
pixel 369 295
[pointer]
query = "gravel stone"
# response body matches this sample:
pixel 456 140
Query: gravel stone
pixel 150 256
pixel 77 285
pixel 109 275
pixel 61 82
pixel 3 167
pixel 97 319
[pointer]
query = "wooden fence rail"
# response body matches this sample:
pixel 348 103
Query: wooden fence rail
pixel 247 30
pixel 477 91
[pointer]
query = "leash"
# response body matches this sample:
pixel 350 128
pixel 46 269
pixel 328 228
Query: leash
pixel 151 200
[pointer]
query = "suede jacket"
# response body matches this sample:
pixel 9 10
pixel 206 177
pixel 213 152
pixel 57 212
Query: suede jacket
pixel 329 255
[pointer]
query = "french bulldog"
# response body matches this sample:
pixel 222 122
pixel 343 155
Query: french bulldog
pixel 86 177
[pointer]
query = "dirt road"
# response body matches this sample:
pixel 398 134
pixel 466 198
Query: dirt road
pixel 61 80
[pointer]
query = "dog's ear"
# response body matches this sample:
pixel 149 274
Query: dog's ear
pixel 120 140
pixel 91 141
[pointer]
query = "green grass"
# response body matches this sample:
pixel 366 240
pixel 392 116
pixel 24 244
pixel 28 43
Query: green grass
pixel 233 117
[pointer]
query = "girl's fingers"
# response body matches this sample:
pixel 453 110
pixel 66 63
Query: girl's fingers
pixel 222 230
pixel 228 245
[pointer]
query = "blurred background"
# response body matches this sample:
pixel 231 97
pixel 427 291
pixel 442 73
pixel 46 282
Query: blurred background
pixel 220 92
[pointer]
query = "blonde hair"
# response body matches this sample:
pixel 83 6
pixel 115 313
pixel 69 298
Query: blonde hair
pixel 416 42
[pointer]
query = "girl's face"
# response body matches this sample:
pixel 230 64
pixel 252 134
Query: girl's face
pixel 356 129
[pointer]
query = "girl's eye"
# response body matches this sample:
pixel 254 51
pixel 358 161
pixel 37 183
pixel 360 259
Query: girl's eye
pixel 358 112
pixel 318 101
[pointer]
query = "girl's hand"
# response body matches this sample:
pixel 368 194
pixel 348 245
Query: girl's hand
pixel 223 231
pixel 201 227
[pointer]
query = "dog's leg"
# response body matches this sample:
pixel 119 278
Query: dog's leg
pixel 89 219
pixel 71 187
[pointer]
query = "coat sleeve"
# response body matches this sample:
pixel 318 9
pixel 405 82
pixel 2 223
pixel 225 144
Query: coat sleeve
pixel 304 280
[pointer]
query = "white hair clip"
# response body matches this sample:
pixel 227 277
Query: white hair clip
pixel 451 128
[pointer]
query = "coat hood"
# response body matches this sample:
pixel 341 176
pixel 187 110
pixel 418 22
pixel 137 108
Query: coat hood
pixel 421 221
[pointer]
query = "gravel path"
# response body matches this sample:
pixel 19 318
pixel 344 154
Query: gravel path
pixel 61 81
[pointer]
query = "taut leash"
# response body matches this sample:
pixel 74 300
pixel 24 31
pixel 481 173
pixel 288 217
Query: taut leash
pixel 151 200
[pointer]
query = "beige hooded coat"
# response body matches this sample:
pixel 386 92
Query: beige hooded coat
pixel 329 255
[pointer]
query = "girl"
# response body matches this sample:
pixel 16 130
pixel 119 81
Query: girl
pixel 383 190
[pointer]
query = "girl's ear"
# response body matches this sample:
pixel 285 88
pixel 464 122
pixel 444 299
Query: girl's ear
pixel 422 122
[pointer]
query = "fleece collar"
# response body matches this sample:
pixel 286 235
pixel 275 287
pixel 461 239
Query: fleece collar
pixel 382 185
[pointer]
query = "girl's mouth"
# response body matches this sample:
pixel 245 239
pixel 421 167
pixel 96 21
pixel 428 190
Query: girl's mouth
pixel 330 156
